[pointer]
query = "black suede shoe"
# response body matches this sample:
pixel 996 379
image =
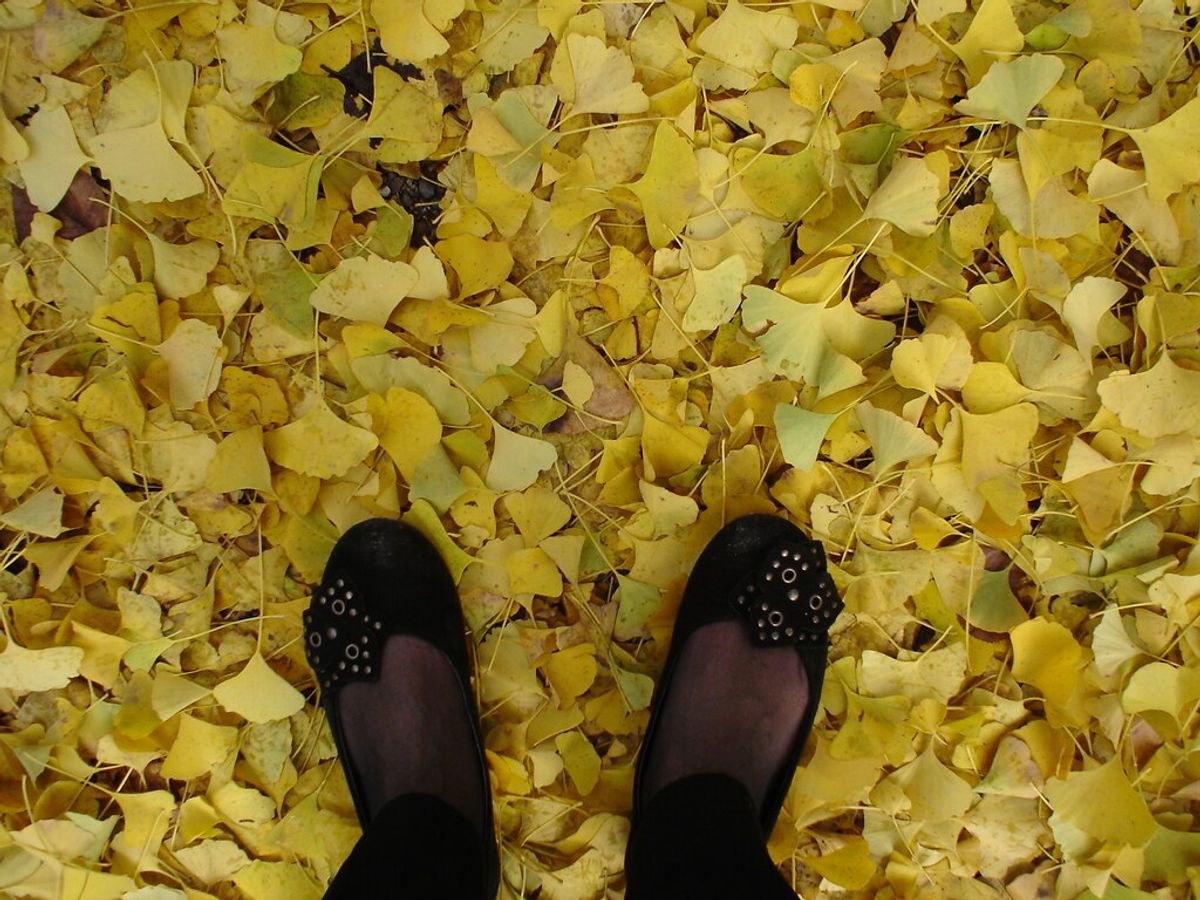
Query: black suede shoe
pixel 384 579
pixel 742 682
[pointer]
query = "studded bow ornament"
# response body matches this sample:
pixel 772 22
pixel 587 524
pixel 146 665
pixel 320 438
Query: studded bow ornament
pixel 790 598
pixel 342 640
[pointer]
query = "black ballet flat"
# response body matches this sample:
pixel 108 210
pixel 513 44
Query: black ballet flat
pixel 385 578
pixel 764 572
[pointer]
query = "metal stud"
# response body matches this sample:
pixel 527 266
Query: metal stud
pixel 741 600
pixel 366 654
pixel 342 664
pixel 793 595
pixel 789 631
pixel 774 635
pixel 339 583
pixel 354 669
pixel 762 635
pixel 314 640
pixel 788 575
pixel 766 606
pixel 322 599
pixel 775 618
pixel 815 602
pixel 804 567
pixel 364 639
pixel 352 651
pixel 785 553
pixel 775 564
pixel 353 611
pixel 816 620
pixel 349 595
pixel 331 633
pixel 770 576
pixel 366 670
pixel 378 625
pixel 762 623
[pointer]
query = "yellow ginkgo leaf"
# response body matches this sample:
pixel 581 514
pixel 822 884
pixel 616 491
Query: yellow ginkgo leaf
pixel 580 760
pixel 1121 819
pixel 740 45
pixel 199 747
pixel 364 289
pixel 1084 309
pixel 907 198
pixel 52 159
pixel 571 672
pixel 1162 400
pixel 718 293
pixel 1010 90
pixel 603 79
pixel 1045 655
pixel 40 514
pixel 181 270
pixel 258 694
pixel 142 165
pixel 319 444
pixel 1169 150
pixel 531 571
pixel 669 186
pixel 22 670
pixel 406 31
pixel 893 440
pixel 538 513
pixel 240 463
pixel 517 460
pixel 408 428
pixel 801 433
pixel 193 355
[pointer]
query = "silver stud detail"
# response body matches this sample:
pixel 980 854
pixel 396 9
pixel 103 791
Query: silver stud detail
pixel 785 553
pixel 366 654
pixel 339 583
pixel 342 664
pixel 774 635
pixel 338 607
pixel 788 575
pixel 314 640
pixel 815 602
pixel 793 595
pixel 366 670
pixel 766 606
pixel 775 564
pixel 352 651
pixel 322 599
pixel 349 595
pixel 762 623
pixel 804 567
pixel 363 639
pixel 770 576
pixel 352 612
pixel 354 668
pixel 378 625
pixel 331 633
pixel 775 618
pixel 816 620
pixel 762 635
pixel 789 631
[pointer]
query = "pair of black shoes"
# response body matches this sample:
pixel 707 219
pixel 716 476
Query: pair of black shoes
pixel 738 694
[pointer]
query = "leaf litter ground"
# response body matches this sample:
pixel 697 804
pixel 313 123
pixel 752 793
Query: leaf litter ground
pixel 566 286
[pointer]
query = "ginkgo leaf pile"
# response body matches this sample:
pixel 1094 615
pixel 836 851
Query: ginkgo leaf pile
pixel 567 285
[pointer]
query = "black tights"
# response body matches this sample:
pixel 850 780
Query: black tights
pixel 697 839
